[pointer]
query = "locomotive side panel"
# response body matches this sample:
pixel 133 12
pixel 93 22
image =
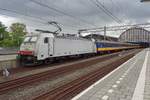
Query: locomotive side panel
pixel 64 47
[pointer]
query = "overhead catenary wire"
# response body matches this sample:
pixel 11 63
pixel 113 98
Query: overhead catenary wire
pixel 114 4
pixel 116 28
pixel 117 4
pixel 109 12
pixel 105 10
pixel 121 26
pixel 18 13
pixel 34 18
pixel 61 12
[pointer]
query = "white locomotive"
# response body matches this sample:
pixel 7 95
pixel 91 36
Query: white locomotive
pixel 47 47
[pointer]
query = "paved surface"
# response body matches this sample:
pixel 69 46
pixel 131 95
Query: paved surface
pixel 130 81
pixel 7 61
pixel 8 51
pixel 7 57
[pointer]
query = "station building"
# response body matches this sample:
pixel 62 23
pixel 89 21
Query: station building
pixel 136 35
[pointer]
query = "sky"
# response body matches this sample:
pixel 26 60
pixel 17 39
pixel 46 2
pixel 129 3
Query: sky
pixel 73 15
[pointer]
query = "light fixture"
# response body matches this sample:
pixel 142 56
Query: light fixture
pixel 145 0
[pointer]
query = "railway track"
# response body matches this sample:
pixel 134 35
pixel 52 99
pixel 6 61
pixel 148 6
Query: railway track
pixel 52 64
pixel 67 91
pixel 12 84
pixel 36 67
pixel 8 85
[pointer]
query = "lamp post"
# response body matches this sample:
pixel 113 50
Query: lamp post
pixel 145 0
pixel 104 33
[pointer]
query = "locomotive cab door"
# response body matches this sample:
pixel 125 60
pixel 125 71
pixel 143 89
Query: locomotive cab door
pixel 50 46
pixel 43 48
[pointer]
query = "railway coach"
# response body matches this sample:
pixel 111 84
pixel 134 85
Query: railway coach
pixel 107 46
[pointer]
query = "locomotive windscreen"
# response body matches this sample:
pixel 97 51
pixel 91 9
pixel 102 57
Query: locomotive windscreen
pixel 30 39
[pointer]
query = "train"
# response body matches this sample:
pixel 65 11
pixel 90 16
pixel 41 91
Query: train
pixel 46 47
pixel 107 46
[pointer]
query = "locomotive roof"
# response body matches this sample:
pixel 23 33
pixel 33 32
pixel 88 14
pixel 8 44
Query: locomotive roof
pixel 59 36
pixel 71 37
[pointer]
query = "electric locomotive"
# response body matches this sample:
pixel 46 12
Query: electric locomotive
pixel 46 47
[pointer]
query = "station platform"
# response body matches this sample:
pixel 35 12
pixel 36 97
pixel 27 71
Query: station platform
pixel 130 81
pixel 8 61
pixel 7 57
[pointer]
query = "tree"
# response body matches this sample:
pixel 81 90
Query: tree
pixel 13 38
pixel 18 28
pixel 3 33
pixel 18 31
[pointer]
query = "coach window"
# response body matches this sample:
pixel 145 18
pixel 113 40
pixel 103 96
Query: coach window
pixel 46 40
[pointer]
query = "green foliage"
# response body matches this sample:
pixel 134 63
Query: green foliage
pixel 18 29
pixel 7 43
pixel 15 37
pixel 3 32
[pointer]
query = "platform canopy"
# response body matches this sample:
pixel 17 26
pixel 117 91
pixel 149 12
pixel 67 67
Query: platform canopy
pixel 135 35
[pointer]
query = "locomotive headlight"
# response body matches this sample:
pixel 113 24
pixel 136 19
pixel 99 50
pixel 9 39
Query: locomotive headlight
pixel 29 58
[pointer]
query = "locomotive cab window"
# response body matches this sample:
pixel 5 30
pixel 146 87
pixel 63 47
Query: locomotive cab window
pixel 33 39
pixel 46 40
pixel 29 39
